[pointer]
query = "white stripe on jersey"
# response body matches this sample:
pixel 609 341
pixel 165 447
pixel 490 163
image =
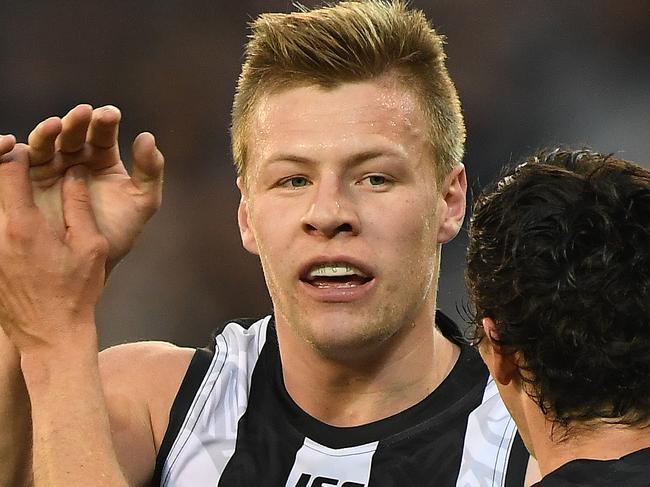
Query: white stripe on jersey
pixel 488 440
pixel 208 436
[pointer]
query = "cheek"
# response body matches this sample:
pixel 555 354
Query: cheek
pixel 414 226
pixel 274 230
pixel 406 239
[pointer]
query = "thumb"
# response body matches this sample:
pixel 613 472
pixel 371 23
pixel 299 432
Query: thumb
pixel 77 211
pixel 148 163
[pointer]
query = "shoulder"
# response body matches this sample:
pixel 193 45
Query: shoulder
pixel 140 360
pixel 140 381
pixel 144 366
pixel 119 357
pixel 143 378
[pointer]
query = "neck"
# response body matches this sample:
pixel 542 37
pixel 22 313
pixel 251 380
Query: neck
pixel 401 372
pixel 599 441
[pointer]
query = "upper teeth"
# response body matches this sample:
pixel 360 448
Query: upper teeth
pixel 334 270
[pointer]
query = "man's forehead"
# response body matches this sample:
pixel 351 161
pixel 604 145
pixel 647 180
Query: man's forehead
pixel 377 106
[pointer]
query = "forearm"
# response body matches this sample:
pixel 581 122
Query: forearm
pixel 15 419
pixel 72 442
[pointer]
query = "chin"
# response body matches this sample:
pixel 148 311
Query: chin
pixel 346 335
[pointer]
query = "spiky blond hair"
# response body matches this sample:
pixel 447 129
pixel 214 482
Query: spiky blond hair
pixel 350 41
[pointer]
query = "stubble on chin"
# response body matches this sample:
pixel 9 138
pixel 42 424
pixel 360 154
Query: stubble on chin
pixel 349 336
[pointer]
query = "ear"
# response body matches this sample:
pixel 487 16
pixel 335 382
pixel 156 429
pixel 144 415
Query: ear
pixel 245 229
pixel 453 193
pixel 501 363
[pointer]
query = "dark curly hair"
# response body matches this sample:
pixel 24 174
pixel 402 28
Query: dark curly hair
pixel 559 258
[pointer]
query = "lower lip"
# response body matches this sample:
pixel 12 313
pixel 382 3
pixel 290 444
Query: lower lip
pixel 334 294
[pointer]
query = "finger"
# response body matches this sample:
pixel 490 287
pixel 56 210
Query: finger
pixel 7 144
pixel 15 185
pixel 148 163
pixel 75 125
pixel 77 210
pixel 104 126
pixel 41 141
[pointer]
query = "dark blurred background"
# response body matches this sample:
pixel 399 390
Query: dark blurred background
pixel 530 73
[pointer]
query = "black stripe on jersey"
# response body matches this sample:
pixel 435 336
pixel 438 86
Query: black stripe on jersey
pixel 191 382
pixel 517 463
pixel 266 443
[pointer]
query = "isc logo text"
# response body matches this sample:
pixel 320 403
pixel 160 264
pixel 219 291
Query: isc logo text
pixel 307 480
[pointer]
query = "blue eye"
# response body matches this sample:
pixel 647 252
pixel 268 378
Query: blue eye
pixel 296 182
pixel 376 180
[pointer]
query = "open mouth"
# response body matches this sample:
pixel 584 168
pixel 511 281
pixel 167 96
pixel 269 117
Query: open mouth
pixel 336 275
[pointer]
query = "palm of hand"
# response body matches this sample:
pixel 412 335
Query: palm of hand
pixel 121 211
pixel 120 206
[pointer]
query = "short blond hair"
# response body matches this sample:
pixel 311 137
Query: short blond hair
pixel 350 41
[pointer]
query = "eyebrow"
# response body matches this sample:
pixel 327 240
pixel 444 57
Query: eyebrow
pixel 353 160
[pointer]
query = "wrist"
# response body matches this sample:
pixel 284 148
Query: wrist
pixel 65 358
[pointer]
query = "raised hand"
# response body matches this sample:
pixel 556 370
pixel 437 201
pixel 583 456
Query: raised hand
pixel 122 203
pixel 49 282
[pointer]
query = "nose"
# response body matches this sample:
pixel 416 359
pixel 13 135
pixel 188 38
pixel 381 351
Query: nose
pixel 331 212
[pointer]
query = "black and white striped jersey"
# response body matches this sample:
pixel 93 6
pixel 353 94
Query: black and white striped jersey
pixel 233 424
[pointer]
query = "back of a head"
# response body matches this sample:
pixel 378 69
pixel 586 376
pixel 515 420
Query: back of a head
pixel 350 41
pixel 559 258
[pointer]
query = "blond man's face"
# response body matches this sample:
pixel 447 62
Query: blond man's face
pixel 342 207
